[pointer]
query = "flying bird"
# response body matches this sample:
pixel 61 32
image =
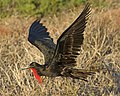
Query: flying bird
pixel 60 58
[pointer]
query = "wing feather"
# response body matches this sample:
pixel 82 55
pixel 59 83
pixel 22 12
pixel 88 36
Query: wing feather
pixel 39 37
pixel 69 43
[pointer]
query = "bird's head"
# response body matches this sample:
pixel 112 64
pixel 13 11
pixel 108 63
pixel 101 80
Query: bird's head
pixel 33 65
pixel 36 68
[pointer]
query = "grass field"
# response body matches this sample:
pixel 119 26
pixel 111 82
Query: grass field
pixel 101 50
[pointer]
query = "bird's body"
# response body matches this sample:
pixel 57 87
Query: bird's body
pixel 74 73
pixel 60 58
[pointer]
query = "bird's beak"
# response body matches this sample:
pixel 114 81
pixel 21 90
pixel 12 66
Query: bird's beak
pixel 25 68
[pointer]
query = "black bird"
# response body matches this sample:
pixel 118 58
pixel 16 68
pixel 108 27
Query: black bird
pixel 60 58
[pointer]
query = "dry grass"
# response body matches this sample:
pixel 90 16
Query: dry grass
pixel 101 49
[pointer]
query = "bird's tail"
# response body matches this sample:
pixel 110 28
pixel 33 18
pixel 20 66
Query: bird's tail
pixel 81 74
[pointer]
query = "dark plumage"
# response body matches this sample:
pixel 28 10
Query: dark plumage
pixel 60 58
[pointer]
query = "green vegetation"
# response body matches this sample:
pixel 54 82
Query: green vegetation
pixel 34 7
pixel 42 7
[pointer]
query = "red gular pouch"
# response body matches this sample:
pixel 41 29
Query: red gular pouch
pixel 36 75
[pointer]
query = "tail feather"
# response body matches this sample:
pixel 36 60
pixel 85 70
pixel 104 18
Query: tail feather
pixel 81 74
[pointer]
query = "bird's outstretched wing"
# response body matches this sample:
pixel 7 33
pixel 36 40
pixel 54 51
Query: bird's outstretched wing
pixel 39 37
pixel 69 43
